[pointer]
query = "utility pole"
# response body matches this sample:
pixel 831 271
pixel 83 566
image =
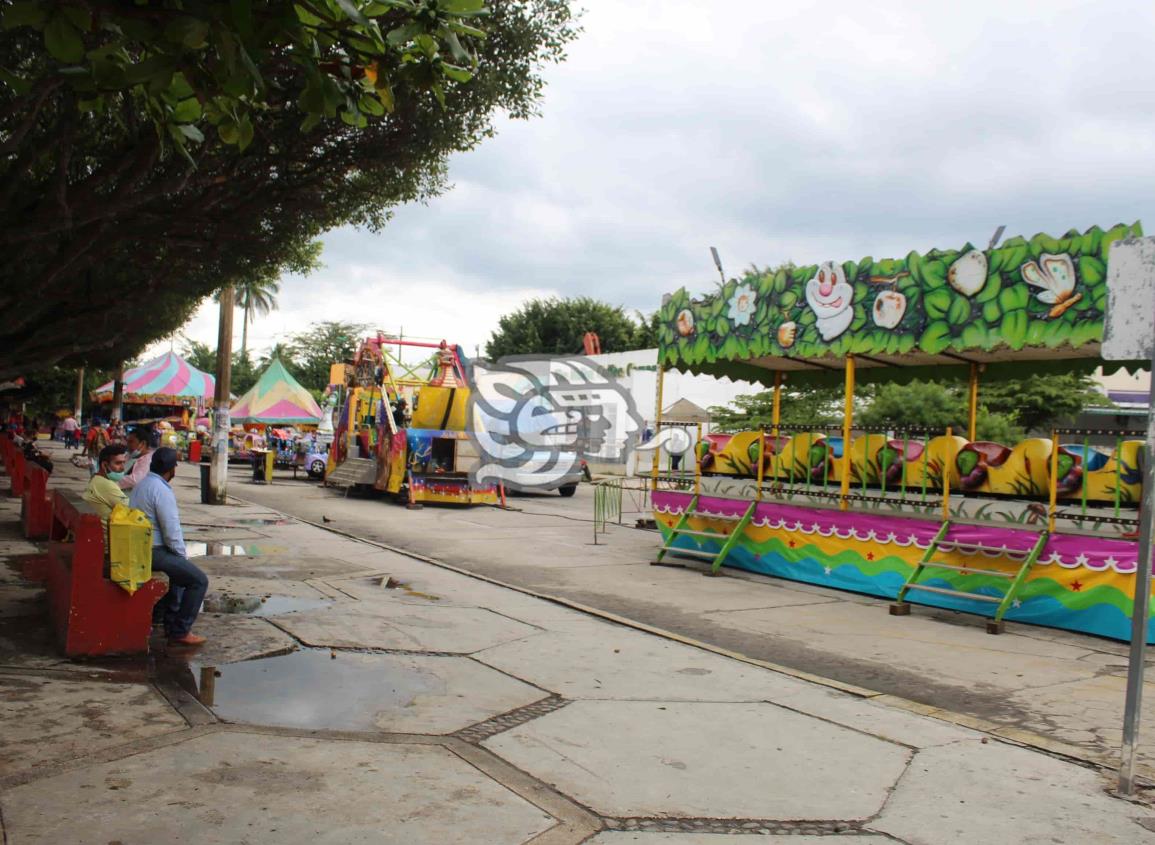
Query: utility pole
pixel 219 473
pixel 78 405
pixel 118 394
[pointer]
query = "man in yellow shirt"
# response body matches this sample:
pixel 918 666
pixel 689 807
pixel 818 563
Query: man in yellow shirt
pixel 103 491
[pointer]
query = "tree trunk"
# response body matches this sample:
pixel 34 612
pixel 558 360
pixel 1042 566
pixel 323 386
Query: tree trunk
pixel 245 335
pixel 118 394
pixel 219 473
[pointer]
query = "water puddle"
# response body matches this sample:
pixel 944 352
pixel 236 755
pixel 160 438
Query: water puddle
pixel 261 605
pixel 315 688
pixel 211 548
pixel 239 523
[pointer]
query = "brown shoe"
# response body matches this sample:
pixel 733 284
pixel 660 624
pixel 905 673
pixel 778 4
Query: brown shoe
pixel 187 639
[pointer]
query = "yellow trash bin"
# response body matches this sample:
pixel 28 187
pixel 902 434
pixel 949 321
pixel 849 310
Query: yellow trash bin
pixel 129 547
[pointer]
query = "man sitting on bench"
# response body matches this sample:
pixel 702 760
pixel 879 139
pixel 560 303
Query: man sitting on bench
pixel 187 585
pixel 103 491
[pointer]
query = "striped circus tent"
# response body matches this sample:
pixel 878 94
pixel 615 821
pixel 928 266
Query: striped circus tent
pixel 167 380
pixel 276 399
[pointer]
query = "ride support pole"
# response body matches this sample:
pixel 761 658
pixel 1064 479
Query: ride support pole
pixel 1140 610
pixel 776 410
pixel 657 427
pixel 973 403
pixel 1053 492
pixel 847 425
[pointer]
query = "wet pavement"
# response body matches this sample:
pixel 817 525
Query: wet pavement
pixel 352 694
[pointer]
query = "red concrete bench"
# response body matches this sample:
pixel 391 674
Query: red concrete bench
pixel 35 506
pixel 14 465
pixel 91 614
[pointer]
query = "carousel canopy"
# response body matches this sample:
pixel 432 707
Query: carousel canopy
pixel 1022 307
pixel 167 380
pixel 277 399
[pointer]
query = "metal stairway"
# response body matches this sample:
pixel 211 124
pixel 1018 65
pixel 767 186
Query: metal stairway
pixel 353 471
pixel 943 542
pixel 730 538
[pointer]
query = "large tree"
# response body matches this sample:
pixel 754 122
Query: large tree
pixel 326 343
pixel 556 327
pixel 150 151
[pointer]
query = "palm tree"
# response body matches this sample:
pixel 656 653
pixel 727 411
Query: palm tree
pixel 257 295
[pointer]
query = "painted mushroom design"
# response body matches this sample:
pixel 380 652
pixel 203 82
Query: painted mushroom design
pixel 889 308
pixel 969 273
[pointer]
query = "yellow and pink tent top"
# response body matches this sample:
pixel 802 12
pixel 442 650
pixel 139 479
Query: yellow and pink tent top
pixel 276 399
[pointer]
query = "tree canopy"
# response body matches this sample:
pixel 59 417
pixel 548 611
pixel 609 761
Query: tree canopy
pixel 151 151
pixel 1007 410
pixel 556 326
pixel 313 352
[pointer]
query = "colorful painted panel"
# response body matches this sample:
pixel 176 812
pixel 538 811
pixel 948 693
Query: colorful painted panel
pixel 1079 584
pixel 1041 294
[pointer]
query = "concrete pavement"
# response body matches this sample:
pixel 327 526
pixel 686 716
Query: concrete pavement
pixel 372 697
pixel 1055 689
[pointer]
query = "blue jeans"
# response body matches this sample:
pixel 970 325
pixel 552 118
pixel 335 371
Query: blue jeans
pixel 187 586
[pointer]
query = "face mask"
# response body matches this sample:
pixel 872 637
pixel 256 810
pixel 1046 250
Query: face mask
pixel 115 476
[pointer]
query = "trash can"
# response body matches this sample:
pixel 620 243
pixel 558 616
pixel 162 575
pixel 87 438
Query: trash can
pixel 194 452
pixel 205 498
pixel 259 467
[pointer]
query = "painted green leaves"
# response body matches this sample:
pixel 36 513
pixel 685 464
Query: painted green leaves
pixel 1045 292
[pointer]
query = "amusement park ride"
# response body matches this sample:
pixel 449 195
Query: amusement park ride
pixel 401 432
pixel 1041 531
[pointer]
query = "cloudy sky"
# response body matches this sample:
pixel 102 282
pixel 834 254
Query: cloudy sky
pixel 803 131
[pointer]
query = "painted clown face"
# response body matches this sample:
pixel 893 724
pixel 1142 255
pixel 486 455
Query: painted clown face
pixel 830 298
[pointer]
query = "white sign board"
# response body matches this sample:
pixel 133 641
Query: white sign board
pixel 1129 326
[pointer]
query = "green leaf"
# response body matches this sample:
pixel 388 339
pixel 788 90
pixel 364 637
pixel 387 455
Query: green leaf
pixel 960 311
pixel 371 105
pixel 781 280
pixel 1057 334
pixel 937 303
pixel 991 289
pixel 1091 270
pixel 228 131
pixel 933 274
pixel 189 31
pixel 787 300
pixel 1036 332
pixel 1089 332
pixel 935 339
pixel 80 16
pixel 25 14
pixel 722 327
pixel 457 74
pixel 992 313
pixel 244 133
pixel 1013 329
pixel 187 111
pixel 63 40
pixel 974 336
pixel 191 132
pixel 461 7
pixel 353 12
pixel 1014 297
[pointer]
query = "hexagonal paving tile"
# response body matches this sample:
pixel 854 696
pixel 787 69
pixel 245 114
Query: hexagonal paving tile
pixel 366 692
pixel 48 720
pixel 238 787
pixel 626 837
pixel 1038 798
pixel 461 630
pixel 650 758
pixel 609 661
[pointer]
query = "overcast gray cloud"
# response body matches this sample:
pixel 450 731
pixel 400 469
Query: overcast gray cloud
pixel 803 131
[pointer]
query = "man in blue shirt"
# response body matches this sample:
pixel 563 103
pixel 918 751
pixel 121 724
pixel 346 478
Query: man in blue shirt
pixel 186 583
